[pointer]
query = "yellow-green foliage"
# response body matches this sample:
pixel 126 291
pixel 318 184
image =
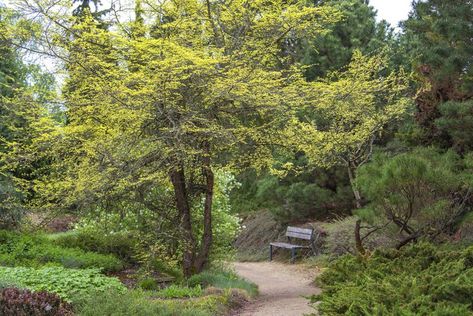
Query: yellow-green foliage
pixel 351 109
pixel 194 85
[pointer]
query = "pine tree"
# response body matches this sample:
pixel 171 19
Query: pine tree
pixel 357 30
pixel 440 34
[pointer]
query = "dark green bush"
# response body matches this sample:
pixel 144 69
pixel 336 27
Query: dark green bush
pixel 34 251
pixel 421 279
pixel 121 245
pixel 17 302
pixel 309 194
pixel 148 284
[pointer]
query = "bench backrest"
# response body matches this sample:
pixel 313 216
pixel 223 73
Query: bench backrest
pixel 301 233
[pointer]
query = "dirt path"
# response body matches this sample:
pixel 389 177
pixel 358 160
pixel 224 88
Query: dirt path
pixel 282 288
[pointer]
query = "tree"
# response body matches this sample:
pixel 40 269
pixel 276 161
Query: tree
pixel 456 122
pixel 440 33
pixel 350 110
pixel 357 30
pixel 24 93
pixel 202 94
pixel 423 194
pixel 310 191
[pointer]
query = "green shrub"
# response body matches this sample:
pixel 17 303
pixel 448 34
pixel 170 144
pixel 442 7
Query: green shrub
pixel 305 194
pixel 148 284
pixel 139 303
pixel 69 284
pixel 35 250
pixel 19 302
pixel 176 291
pixel 421 279
pixel 118 244
pixel 222 280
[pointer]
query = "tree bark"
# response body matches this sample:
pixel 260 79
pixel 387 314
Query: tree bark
pixel 178 181
pixel 206 244
pixel 407 240
pixel 358 240
pixel 356 192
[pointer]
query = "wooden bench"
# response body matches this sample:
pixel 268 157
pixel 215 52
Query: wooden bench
pixel 294 232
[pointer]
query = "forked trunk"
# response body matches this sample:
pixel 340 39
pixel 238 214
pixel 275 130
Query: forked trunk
pixel 206 244
pixel 178 181
pixel 194 260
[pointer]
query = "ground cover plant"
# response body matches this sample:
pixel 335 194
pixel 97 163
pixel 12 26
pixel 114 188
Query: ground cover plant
pixel 69 284
pixel 143 303
pixel 422 279
pixel 211 292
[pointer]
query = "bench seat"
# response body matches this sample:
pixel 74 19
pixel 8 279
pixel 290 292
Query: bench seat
pixel 287 246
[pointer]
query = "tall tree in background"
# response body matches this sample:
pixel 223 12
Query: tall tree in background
pixel 24 92
pixel 314 192
pixel 357 30
pixel 440 33
pixel 84 8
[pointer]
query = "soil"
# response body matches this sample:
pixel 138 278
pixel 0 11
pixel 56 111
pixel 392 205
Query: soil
pixel 283 288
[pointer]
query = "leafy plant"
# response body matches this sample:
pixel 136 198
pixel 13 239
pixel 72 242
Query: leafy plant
pixel 120 244
pixel 69 284
pixel 19 302
pixel 148 284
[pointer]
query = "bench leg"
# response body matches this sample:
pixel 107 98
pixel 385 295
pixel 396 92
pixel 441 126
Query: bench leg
pixel 270 252
pixel 293 255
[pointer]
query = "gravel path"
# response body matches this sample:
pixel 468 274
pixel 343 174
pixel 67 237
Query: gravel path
pixel 282 288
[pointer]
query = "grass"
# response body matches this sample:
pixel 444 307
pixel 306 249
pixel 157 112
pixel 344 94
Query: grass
pixel 176 291
pixel 223 280
pixel 137 302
